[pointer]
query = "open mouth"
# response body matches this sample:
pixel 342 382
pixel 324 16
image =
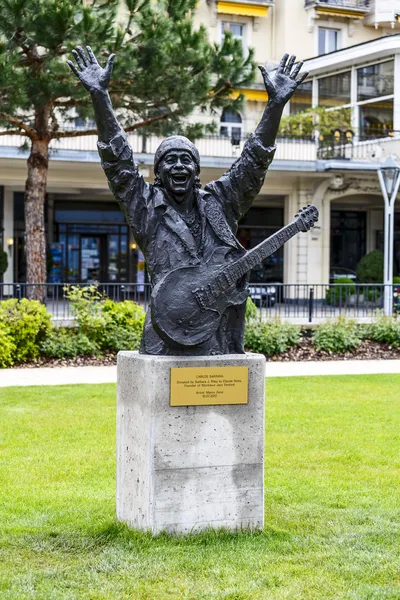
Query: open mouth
pixel 179 178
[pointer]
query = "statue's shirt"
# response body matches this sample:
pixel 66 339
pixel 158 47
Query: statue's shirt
pixel 168 242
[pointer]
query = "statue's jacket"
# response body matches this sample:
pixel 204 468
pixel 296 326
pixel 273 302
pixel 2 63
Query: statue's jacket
pixel 167 242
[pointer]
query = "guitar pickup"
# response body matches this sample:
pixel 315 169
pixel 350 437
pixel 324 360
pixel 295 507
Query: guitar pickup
pixel 202 298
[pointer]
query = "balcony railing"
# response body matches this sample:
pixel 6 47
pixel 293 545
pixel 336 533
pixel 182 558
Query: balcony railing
pixel 367 146
pixel 291 149
pixel 383 13
pixel 359 146
pixel 352 4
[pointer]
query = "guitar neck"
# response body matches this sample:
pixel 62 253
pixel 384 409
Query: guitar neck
pixel 256 255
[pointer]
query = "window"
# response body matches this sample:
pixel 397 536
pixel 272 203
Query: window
pixel 348 238
pixel 236 29
pixel 328 40
pixel 376 119
pixel 374 84
pixel 231 126
pixel 302 98
pixel 375 80
pixel 334 90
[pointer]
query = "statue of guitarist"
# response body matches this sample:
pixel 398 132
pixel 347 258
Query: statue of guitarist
pixel 176 223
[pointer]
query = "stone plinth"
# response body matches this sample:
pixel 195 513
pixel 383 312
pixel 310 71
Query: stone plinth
pixel 181 469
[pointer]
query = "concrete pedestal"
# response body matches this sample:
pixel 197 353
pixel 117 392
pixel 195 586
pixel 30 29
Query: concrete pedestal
pixel 181 469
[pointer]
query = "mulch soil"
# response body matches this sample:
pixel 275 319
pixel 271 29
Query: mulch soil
pixel 367 350
pixel 305 351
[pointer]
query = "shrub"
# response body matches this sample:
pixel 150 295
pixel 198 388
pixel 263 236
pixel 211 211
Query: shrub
pixel 7 349
pixel 3 262
pixel 125 314
pixel 118 338
pixel 337 335
pixel 87 308
pixel 385 330
pixel 271 337
pixel 125 321
pixel 68 342
pixel 27 322
pixel 109 325
pixel 251 311
pixel 340 295
pixel 370 268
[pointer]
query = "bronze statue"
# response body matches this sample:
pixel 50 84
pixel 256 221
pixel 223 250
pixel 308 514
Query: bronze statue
pixel 197 267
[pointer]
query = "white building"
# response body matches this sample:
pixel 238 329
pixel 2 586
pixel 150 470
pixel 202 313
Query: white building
pixel 352 50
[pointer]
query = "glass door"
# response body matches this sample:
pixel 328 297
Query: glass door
pixel 90 259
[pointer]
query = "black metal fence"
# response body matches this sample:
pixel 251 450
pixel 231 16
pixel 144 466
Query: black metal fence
pixel 295 302
pixel 317 302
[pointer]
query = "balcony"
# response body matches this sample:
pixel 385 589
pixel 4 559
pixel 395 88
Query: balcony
pixel 247 8
pixel 359 147
pixel 215 150
pixel 353 9
pixel 293 153
pixel 383 13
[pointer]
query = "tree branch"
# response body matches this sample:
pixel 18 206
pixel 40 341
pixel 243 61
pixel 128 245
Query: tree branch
pixel 73 133
pixel 12 132
pixel 79 132
pixel 32 54
pixel 29 131
pixel 152 120
pixel 69 103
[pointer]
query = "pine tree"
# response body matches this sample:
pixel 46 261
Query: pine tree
pixel 165 68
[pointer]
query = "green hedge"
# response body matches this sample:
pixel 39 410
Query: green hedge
pixel 385 330
pixel 68 342
pixel 337 335
pixel 271 337
pixel 3 262
pixel 370 268
pixel 26 331
pixel 27 323
pixel 7 349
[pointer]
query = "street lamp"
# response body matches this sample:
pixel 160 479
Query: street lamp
pixel 389 178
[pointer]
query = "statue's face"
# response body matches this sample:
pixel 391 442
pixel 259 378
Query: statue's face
pixel 177 171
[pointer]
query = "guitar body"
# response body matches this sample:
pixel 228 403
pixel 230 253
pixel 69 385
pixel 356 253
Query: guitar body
pixel 186 308
pixel 188 303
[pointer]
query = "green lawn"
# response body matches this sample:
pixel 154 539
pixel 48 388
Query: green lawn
pixel 332 502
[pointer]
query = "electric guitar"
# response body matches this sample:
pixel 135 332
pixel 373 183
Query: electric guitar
pixel 188 303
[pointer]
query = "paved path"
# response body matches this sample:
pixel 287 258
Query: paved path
pixel 334 367
pixel 78 375
pixel 57 376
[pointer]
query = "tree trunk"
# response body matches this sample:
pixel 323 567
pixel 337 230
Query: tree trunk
pixel 35 193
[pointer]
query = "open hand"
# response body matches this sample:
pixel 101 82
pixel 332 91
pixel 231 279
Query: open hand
pixel 89 72
pixel 282 87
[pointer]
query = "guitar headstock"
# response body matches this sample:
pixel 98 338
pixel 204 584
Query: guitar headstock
pixel 307 217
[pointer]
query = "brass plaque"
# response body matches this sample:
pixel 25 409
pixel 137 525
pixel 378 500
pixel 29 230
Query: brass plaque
pixel 195 386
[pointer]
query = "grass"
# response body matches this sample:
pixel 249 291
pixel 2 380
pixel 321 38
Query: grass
pixel 332 502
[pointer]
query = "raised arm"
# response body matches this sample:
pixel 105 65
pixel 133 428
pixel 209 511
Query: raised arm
pixel 96 80
pixel 280 89
pixel 125 181
pixel 238 187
